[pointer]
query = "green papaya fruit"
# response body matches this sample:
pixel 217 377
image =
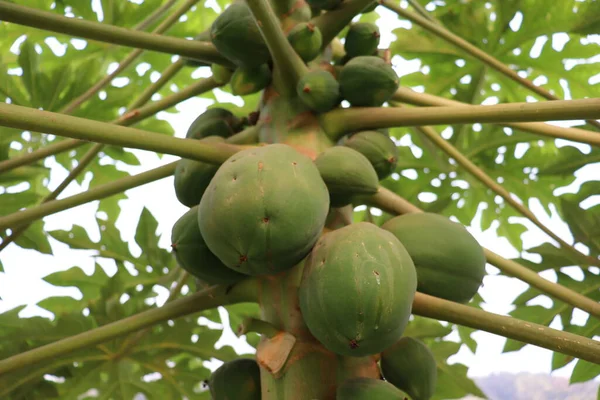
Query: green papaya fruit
pixel 192 177
pixel 367 81
pixel 346 173
pixel 450 263
pixel 324 4
pixel 357 290
pixel 250 80
pixel 362 39
pixel 201 37
pixel 236 36
pixel 221 74
pixel 319 90
pixel 236 380
pixel 306 39
pixel 368 389
pixel 379 148
pixel 214 122
pixel 410 366
pixel 193 256
pixel 264 209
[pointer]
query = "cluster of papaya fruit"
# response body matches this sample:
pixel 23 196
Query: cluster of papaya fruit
pixel 265 209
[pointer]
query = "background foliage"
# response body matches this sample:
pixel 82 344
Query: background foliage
pixel 551 43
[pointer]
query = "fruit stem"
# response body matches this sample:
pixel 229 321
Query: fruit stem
pixel 484 178
pixel 409 96
pixel 331 23
pixel 219 295
pixel 76 27
pixel 343 120
pixel 510 327
pixel 80 128
pixel 473 51
pixel 258 326
pixel 129 118
pixel 288 63
pixel 391 202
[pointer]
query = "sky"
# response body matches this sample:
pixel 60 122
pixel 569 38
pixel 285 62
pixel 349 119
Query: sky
pixel 24 269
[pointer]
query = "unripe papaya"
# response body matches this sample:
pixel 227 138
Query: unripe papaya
pixel 192 177
pixel 214 122
pixel 346 173
pixel 380 150
pixel 201 37
pixel 235 34
pixel 306 39
pixel 264 209
pixel 221 74
pixel 324 4
pixel 368 389
pixel 250 80
pixel 236 380
pixel 319 90
pixel 410 366
pixel 362 39
pixel 357 290
pixel 450 263
pixel 193 256
pixel 367 81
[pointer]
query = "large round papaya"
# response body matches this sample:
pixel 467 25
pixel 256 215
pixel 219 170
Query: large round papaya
pixel 193 256
pixel 306 39
pixel 235 34
pixel 362 39
pixel 379 148
pixel 357 290
pixel 214 122
pixel 367 81
pixel 319 90
pixel 346 173
pixel 245 81
pixel 368 389
pixel 450 263
pixel 236 380
pixel 264 209
pixel 192 177
pixel 410 366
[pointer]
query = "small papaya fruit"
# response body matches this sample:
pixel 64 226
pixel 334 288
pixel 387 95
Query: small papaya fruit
pixel 362 39
pixel 367 81
pixel 346 173
pixel 214 122
pixel 450 263
pixel 192 177
pixel 306 39
pixel 201 37
pixel 193 255
pixel 238 379
pixel 379 148
pixel 410 366
pixel 264 209
pixel 236 36
pixel 250 80
pixel 319 90
pixel 368 389
pixel 357 290
pixel 221 74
